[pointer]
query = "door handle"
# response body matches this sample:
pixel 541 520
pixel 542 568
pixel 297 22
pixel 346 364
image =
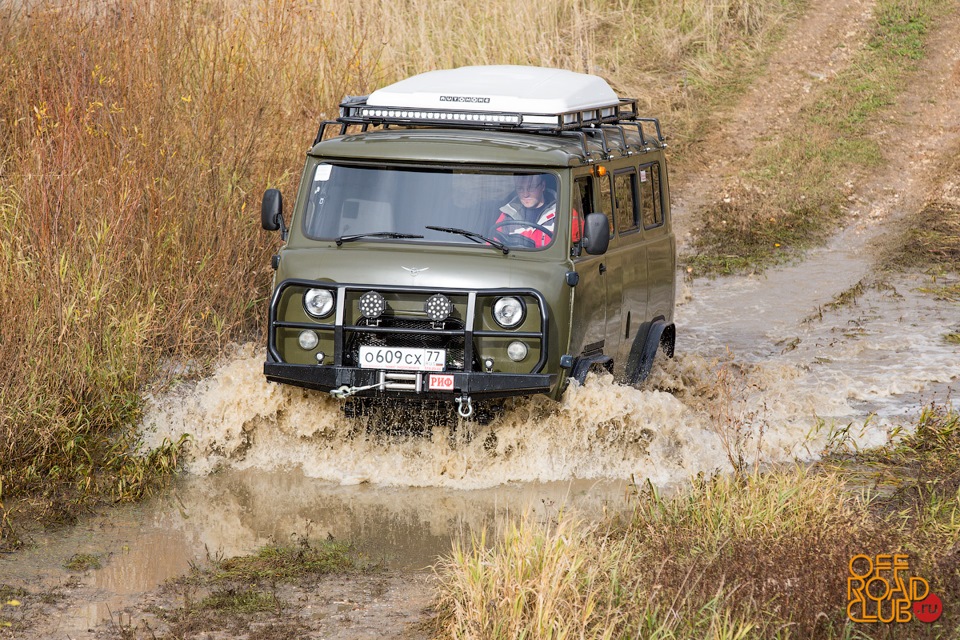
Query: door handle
pixel 603 268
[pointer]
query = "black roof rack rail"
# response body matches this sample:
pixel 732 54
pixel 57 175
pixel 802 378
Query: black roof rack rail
pixel 582 137
pixel 625 146
pixel 603 140
pixel 656 123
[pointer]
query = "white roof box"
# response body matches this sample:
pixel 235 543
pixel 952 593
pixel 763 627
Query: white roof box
pixel 498 88
pixel 528 91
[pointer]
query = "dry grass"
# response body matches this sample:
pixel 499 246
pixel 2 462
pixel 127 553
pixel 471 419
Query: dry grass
pixel 931 238
pixel 137 137
pixel 724 559
pixel 748 556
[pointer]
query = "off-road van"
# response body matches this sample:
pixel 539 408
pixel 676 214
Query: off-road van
pixel 474 234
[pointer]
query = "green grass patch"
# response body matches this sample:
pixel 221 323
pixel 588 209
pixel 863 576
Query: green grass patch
pixel 285 563
pixel 792 191
pixel 82 562
pixel 232 593
pixel 240 601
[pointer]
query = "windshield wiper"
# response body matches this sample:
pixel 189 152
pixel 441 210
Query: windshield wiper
pixel 473 235
pixel 378 234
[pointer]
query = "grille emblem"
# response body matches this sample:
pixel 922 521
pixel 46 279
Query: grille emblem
pixel 414 271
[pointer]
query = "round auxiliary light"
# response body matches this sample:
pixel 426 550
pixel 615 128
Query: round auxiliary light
pixel 517 351
pixel 438 307
pixel 308 339
pixel 508 311
pixel 318 302
pixel 372 305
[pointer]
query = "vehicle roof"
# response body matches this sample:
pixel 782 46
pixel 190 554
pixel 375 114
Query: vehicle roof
pixel 468 146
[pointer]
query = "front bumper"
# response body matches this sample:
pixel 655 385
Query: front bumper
pixel 410 385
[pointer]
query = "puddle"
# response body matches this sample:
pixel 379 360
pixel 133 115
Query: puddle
pixel 236 512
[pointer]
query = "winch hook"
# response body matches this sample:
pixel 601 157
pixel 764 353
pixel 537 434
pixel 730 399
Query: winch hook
pixel 345 391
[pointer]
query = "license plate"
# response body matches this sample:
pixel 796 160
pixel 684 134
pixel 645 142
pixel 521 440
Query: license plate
pixel 402 358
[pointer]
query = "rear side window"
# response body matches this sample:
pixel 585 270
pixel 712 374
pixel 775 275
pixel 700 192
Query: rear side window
pixel 650 196
pixel 625 190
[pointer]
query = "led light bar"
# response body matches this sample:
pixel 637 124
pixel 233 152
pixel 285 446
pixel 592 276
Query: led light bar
pixel 417 116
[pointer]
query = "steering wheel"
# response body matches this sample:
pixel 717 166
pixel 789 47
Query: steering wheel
pixel 516 239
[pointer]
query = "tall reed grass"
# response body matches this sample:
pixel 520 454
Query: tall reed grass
pixel 136 138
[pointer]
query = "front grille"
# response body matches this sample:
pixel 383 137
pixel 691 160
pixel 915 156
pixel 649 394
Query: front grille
pixel 413 337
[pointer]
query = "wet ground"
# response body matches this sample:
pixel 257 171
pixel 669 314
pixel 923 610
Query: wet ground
pixel 271 464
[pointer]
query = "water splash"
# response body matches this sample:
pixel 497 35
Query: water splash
pixel 685 420
pixel 599 430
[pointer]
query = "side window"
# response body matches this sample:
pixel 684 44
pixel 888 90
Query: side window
pixel 606 199
pixel 582 205
pixel 625 189
pixel 650 198
pixel 583 200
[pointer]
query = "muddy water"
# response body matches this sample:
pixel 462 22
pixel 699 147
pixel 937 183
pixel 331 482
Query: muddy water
pixel 766 359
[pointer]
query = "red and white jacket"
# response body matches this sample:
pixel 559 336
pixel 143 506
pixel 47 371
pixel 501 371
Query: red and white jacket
pixel 514 210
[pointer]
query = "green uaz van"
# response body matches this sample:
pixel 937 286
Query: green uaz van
pixel 474 234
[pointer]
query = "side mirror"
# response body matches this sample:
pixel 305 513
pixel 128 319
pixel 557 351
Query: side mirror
pixel 271 210
pixel 596 235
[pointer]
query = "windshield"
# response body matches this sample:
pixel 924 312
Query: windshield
pixel 516 210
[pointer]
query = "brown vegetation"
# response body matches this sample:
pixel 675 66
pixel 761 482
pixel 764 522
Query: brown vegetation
pixel 744 556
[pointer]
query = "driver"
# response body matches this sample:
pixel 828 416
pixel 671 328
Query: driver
pixel 533 203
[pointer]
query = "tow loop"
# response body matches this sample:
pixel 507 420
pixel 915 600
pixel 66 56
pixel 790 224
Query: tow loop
pixel 464 411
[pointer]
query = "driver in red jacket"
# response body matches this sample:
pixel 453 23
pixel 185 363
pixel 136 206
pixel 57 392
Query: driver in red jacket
pixel 533 203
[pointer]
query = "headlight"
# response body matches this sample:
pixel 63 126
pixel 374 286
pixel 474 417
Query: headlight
pixel 508 312
pixel 438 307
pixel 318 302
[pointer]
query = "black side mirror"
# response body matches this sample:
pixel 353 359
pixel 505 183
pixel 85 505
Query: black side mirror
pixel 271 210
pixel 596 235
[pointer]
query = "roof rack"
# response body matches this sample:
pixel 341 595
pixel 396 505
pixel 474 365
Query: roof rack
pixel 357 111
pixel 505 98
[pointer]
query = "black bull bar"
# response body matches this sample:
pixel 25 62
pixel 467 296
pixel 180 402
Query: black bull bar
pixel 471 381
